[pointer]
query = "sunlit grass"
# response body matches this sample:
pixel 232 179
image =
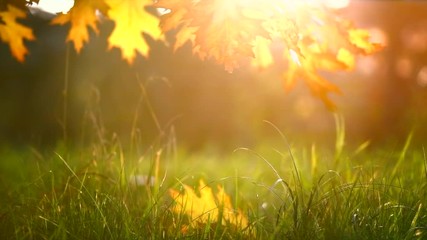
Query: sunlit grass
pixel 285 192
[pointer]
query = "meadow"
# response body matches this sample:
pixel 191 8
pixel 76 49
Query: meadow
pixel 273 191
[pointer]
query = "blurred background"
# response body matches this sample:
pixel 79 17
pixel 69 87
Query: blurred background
pixel 202 105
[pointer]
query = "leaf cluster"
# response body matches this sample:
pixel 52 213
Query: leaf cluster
pixel 312 38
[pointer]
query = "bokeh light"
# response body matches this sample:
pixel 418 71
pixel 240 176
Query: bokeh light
pixel 422 77
pixel 404 67
pixel 414 36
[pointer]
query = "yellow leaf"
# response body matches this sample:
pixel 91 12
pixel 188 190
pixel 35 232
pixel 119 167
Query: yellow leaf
pixel 262 55
pixel 14 33
pixel 82 16
pixel 206 207
pixel 235 217
pixel 346 57
pixel 360 39
pixel 201 208
pixel 132 20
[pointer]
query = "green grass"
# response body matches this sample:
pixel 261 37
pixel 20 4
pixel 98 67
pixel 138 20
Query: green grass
pixel 286 192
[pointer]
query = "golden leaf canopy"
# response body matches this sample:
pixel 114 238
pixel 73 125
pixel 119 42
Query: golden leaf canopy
pixel 314 38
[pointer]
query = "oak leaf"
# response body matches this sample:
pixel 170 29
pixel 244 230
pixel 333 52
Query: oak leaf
pixel 81 17
pixel 205 207
pixel 327 43
pixel 220 29
pixel 179 17
pixel 14 33
pixel 360 38
pixel 262 54
pixel 131 20
pixel 176 15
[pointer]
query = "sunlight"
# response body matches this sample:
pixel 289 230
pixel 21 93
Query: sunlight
pixel 55 6
pixel 336 4
pixel 294 57
pixel 227 8
pixel 291 4
pixel 163 11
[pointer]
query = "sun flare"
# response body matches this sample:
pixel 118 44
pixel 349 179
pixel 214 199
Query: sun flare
pixel 54 6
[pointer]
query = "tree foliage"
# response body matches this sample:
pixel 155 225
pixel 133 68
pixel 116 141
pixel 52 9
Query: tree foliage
pixel 313 38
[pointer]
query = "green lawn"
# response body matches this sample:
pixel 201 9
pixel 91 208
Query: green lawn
pixel 285 192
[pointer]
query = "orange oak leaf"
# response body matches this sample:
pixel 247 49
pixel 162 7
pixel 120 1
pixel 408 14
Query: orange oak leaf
pixel 184 35
pixel 315 39
pixel 178 17
pixel 315 58
pixel 178 10
pixel 132 20
pixel 220 29
pixel 14 33
pixel 327 43
pixel 226 30
pixel 318 85
pixel 81 17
